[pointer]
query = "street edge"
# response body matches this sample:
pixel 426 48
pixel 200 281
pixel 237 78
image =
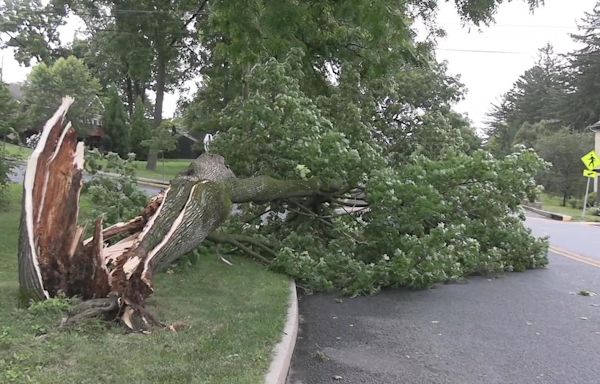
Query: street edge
pixel 140 180
pixel 284 350
pixel 551 215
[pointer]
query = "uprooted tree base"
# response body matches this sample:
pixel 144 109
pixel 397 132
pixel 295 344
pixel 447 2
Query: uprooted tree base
pixel 116 280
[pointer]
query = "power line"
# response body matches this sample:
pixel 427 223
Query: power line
pixel 482 51
pixel 528 26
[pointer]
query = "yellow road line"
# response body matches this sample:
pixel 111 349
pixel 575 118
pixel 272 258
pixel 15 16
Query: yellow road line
pixel 575 256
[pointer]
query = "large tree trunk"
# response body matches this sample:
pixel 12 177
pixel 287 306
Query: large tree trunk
pixel 129 95
pixel 161 78
pixel 54 259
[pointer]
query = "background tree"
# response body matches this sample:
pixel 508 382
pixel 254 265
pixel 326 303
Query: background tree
pixel 139 130
pixel 161 139
pixel 115 124
pixel 539 94
pixel 31 28
pixel 582 106
pixel 152 42
pixel 47 85
pixel 120 59
pixel 140 45
pixel 564 150
pixel 8 111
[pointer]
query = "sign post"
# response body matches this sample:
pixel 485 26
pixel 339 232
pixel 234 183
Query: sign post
pixel 591 162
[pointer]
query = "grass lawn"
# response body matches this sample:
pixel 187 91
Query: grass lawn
pixel 15 151
pixel 552 204
pixel 165 171
pixel 236 315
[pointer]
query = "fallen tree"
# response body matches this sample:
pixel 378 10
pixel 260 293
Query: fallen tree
pixel 116 280
pixel 428 221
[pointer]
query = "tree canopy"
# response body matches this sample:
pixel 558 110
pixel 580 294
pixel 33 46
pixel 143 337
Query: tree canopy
pixel 115 124
pixel 9 109
pixel 354 98
pixel 582 107
pixel 48 84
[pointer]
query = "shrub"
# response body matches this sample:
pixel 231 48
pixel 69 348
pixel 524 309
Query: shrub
pixel 116 198
pixel 5 169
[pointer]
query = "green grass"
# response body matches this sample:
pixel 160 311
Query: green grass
pixel 552 204
pixel 15 151
pixel 165 171
pixel 235 313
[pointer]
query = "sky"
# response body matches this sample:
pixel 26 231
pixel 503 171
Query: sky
pixel 488 59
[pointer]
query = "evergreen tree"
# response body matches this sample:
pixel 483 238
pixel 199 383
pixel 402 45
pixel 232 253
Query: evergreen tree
pixel 583 105
pixel 8 110
pixel 139 130
pixel 537 95
pixel 116 131
pixel 563 150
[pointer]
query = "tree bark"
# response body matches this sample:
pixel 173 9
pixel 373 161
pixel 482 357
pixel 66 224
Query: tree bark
pixel 161 78
pixel 54 259
pixel 129 95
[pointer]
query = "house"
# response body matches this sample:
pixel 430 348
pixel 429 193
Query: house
pixel 92 129
pixel 186 145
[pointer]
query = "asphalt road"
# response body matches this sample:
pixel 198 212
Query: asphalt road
pixel 528 327
pixel 18 173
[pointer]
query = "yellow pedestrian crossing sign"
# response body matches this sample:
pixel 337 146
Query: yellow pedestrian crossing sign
pixel 590 174
pixel 591 160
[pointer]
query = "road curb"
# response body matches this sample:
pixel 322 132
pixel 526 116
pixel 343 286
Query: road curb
pixel 143 180
pixel 139 180
pixel 151 184
pixel 551 215
pixel 283 351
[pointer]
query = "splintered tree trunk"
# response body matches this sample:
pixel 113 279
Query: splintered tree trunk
pixel 117 279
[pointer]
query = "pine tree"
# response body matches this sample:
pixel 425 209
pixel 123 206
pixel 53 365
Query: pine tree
pixel 583 106
pixel 116 132
pixel 139 130
pixel 538 95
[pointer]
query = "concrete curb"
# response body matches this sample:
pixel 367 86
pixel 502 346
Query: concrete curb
pixel 551 215
pixel 282 353
pixel 143 180
pixel 151 184
pixel 139 180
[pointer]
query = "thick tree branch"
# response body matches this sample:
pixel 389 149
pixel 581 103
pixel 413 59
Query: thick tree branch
pixel 261 189
pixel 238 242
pixel 220 237
pixel 190 20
